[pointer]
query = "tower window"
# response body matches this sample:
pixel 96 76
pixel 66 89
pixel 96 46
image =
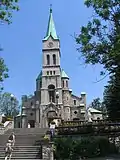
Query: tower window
pixel 74 102
pixel 48 59
pixel 54 72
pixel 40 84
pixel 54 59
pixel 63 84
pixel 47 72
pixel 66 83
pixel 51 91
pixel 50 72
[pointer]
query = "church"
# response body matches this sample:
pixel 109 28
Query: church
pixel 52 99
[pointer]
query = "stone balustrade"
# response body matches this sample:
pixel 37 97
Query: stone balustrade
pixel 7 126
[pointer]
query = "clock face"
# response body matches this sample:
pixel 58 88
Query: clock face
pixel 50 44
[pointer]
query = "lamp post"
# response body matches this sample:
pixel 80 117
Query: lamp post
pixel 13 106
pixel 57 97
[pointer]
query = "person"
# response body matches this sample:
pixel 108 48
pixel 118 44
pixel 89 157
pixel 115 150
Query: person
pixel 8 151
pixel 52 129
pixel 28 125
pixel 11 139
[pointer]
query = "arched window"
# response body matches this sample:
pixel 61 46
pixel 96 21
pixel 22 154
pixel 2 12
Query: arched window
pixel 51 91
pixel 63 84
pixel 48 59
pixel 54 59
pixel 66 83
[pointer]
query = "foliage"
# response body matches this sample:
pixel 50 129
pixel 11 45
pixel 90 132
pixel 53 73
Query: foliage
pixel 3 72
pixel 112 96
pixel 99 40
pixel 6 9
pixel 1 124
pixel 69 148
pixel 8 104
pixel 98 104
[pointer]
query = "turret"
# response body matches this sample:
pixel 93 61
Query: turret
pixel 65 80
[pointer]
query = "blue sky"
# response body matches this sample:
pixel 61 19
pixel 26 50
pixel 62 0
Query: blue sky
pixel 22 43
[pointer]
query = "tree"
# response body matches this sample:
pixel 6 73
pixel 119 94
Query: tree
pixel 112 96
pixel 3 72
pixel 96 104
pixel 99 105
pixel 6 8
pixel 99 40
pixel 8 104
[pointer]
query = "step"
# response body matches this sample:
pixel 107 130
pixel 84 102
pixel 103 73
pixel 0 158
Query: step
pixel 19 158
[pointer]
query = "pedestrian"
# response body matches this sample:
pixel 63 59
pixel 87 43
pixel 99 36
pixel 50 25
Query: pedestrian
pixel 52 129
pixel 8 151
pixel 11 139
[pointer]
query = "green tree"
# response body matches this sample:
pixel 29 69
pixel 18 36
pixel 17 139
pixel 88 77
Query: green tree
pixel 96 104
pixel 8 104
pixel 112 96
pixel 6 9
pixel 99 40
pixel 99 105
pixel 3 72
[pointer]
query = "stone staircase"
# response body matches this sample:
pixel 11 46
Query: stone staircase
pixel 27 143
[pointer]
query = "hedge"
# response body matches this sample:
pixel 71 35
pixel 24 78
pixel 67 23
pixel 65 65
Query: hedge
pixel 88 147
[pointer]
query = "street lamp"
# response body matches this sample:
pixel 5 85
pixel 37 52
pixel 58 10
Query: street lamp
pixel 13 106
pixel 57 96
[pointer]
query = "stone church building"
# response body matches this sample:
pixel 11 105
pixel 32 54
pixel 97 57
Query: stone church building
pixel 52 99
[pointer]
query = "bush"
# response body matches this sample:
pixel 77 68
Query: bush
pixel 68 148
pixel 9 119
pixel 1 124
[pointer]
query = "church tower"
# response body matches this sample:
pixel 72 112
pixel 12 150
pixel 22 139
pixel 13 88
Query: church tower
pixel 51 72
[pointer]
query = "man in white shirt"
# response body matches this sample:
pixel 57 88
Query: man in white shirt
pixel 52 129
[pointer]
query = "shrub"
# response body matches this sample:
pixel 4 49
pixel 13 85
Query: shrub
pixel 69 148
pixel 1 124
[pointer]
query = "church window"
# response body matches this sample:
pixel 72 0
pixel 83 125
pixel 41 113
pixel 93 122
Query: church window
pixel 31 114
pixel 50 72
pixel 66 83
pixel 54 72
pixel 31 103
pixel 48 59
pixel 54 59
pixel 63 84
pixel 67 98
pixel 47 72
pixel 51 91
pixel 40 84
pixel 74 102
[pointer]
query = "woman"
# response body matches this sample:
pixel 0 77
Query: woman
pixel 8 151
pixel 11 139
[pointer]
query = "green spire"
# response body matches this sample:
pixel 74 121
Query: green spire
pixel 51 31
pixel 64 75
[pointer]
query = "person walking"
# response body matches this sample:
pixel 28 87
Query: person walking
pixel 11 139
pixel 52 129
pixel 8 151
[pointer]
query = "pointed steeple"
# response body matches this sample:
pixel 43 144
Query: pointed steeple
pixel 51 31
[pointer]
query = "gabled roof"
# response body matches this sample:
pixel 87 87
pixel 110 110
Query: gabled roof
pixel 64 75
pixel 51 31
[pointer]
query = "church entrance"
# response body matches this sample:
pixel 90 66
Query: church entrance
pixel 51 115
pixel 32 123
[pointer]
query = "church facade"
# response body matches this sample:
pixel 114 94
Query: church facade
pixel 52 99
